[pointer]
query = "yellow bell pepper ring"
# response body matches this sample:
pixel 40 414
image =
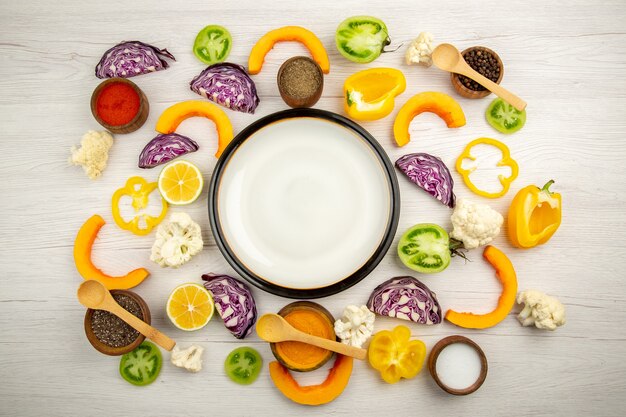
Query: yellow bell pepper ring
pixel 534 216
pixel 139 190
pixel 395 356
pixel 505 161
pixel 370 94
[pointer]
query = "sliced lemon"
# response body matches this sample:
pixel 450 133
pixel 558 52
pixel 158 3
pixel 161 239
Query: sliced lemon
pixel 180 182
pixel 190 306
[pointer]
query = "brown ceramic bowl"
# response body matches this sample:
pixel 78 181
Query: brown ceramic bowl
pixel 139 119
pixel 313 307
pixel 469 93
pixel 434 355
pixel 113 351
pixel 299 101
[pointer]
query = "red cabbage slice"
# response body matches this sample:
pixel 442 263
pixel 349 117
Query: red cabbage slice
pixel 228 85
pixel 165 147
pixel 127 59
pixel 430 174
pixel 234 303
pixel 405 298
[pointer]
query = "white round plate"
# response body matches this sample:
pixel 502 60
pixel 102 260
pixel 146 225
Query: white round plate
pixel 303 203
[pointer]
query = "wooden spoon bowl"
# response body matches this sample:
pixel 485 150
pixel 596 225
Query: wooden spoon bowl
pixel 117 351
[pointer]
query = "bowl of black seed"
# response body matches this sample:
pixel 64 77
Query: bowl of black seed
pixel 109 334
pixel 487 63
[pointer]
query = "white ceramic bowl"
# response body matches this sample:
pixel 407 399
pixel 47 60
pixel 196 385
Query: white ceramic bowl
pixel 304 203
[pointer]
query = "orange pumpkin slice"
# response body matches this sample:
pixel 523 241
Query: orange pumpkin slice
pixel 506 274
pixel 82 257
pixel 288 33
pixel 174 115
pixel 323 393
pixel 441 104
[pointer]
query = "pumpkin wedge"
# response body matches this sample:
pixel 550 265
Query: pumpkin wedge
pixel 288 33
pixel 441 104
pixel 507 277
pixel 174 115
pixel 323 393
pixel 82 257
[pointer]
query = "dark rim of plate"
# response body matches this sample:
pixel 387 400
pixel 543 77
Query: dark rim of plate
pixel 350 280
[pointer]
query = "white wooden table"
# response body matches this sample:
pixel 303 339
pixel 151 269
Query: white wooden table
pixel 566 58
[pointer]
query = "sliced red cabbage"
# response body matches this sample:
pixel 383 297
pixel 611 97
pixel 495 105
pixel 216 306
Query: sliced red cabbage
pixel 405 298
pixel 227 85
pixel 430 174
pixel 128 59
pixel 165 147
pixel 233 302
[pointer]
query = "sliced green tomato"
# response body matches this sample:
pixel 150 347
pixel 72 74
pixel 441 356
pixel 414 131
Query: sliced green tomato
pixel 361 38
pixel 142 365
pixel 243 365
pixel 212 45
pixel 505 118
pixel 425 248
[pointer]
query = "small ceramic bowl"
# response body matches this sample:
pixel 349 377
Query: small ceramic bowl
pixel 434 355
pixel 139 119
pixel 296 102
pixel 117 351
pixel 467 92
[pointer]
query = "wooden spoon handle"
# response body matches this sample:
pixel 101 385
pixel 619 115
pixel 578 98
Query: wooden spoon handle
pixel 144 328
pixel 497 89
pixel 341 348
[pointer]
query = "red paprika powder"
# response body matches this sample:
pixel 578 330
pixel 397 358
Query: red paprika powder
pixel 117 104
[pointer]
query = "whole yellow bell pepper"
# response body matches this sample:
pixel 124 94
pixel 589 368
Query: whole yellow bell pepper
pixel 506 161
pixel 370 94
pixel 395 356
pixel 139 190
pixel 534 216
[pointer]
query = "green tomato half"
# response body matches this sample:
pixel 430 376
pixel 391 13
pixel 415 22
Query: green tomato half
pixel 142 365
pixel 212 45
pixel 243 365
pixel 361 38
pixel 425 248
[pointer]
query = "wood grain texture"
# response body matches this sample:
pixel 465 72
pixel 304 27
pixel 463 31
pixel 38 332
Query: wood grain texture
pixel 567 59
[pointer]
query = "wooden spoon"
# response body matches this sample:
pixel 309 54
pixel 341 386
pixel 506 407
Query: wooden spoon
pixel 274 328
pixel 448 58
pixel 92 294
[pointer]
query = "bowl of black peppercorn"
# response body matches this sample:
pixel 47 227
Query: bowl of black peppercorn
pixel 484 61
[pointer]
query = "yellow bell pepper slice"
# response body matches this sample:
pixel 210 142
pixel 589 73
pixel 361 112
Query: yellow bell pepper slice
pixel 534 216
pixel 370 94
pixel 139 190
pixel 506 161
pixel 395 356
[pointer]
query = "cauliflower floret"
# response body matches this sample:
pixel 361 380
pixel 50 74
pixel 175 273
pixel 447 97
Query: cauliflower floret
pixel 475 224
pixel 356 325
pixel 540 309
pixel 177 240
pixel 189 359
pixel 420 50
pixel 93 152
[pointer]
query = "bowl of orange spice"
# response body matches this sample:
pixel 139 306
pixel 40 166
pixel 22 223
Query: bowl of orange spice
pixel 310 318
pixel 119 105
